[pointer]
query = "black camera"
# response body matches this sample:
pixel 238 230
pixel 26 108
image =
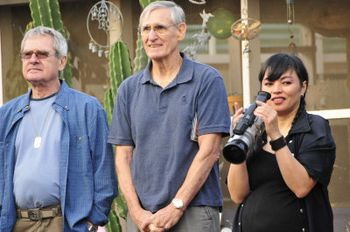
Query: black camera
pixel 245 134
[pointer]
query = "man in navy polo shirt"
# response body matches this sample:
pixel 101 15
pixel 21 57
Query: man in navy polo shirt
pixel 170 179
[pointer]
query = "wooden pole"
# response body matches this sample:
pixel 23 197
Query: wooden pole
pixel 245 59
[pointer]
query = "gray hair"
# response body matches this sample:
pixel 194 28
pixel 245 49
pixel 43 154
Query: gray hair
pixel 177 13
pixel 60 43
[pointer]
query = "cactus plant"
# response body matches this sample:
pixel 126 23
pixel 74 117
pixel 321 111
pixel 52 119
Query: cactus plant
pixel 119 211
pixel 119 70
pixel 47 13
pixel 114 224
pixel 144 3
pixel 141 58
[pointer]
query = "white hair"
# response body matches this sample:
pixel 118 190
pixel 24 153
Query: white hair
pixel 60 43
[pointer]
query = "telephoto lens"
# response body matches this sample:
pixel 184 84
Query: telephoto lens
pixel 245 133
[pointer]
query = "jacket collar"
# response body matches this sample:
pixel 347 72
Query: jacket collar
pixel 23 103
pixel 302 124
pixel 62 96
pixel 61 100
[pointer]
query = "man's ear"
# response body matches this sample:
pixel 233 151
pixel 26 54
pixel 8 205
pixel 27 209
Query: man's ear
pixel 62 63
pixel 182 31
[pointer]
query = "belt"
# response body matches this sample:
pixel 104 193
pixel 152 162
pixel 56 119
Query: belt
pixel 39 213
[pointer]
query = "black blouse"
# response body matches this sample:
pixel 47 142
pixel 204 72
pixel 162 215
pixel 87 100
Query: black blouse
pixel 271 205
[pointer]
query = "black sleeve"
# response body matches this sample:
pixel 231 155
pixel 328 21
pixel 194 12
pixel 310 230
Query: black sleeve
pixel 317 151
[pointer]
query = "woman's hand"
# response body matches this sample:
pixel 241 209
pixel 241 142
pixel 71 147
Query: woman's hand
pixel 238 114
pixel 269 116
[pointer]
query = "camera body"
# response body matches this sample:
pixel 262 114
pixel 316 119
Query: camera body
pixel 245 134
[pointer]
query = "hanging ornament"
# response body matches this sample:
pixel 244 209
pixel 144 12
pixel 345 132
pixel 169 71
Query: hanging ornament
pixel 246 29
pixel 290 20
pixel 200 2
pixel 106 17
pixel 292 47
pixel 200 39
pixel 220 25
pixel 290 11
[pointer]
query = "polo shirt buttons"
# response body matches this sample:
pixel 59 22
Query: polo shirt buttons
pixel 303 230
pixel 163 101
pixel 301 211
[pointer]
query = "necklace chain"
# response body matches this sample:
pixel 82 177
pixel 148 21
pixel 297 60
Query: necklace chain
pixel 37 139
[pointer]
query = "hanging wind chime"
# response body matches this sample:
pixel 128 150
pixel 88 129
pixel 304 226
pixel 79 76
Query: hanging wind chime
pixel 290 20
pixel 106 17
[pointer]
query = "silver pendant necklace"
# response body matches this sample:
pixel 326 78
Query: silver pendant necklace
pixel 37 141
pixel 38 137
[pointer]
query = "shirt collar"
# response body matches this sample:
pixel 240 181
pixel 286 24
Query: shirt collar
pixel 185 74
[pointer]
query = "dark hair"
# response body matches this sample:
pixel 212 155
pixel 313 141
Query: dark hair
pixel 279 63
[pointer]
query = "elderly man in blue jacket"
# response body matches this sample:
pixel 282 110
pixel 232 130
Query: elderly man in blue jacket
pixel 57 170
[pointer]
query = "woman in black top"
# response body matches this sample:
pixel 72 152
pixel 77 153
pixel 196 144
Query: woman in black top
pixel 282 186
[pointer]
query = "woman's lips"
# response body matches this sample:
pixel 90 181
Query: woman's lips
pixel 278 100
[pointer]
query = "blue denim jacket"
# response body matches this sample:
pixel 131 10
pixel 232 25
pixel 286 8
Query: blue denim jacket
pixel 87 176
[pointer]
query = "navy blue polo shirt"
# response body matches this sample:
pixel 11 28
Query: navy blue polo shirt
pixel 157 122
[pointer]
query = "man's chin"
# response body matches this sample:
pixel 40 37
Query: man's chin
pixel 34 80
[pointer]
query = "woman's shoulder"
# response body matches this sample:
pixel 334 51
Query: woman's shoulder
pixel 316 118
pixel 318 123
pixel 320 133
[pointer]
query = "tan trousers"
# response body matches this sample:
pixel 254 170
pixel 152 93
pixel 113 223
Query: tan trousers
pixel 45 225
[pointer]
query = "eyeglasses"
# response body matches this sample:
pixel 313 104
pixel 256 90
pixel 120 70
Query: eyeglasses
pixel 38 54
pixel 158 28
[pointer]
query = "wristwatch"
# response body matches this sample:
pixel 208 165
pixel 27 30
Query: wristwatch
pixel 92 227
pixel 177 203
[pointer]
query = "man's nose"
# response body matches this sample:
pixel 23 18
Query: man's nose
pixel 152 34
pixel 33 58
